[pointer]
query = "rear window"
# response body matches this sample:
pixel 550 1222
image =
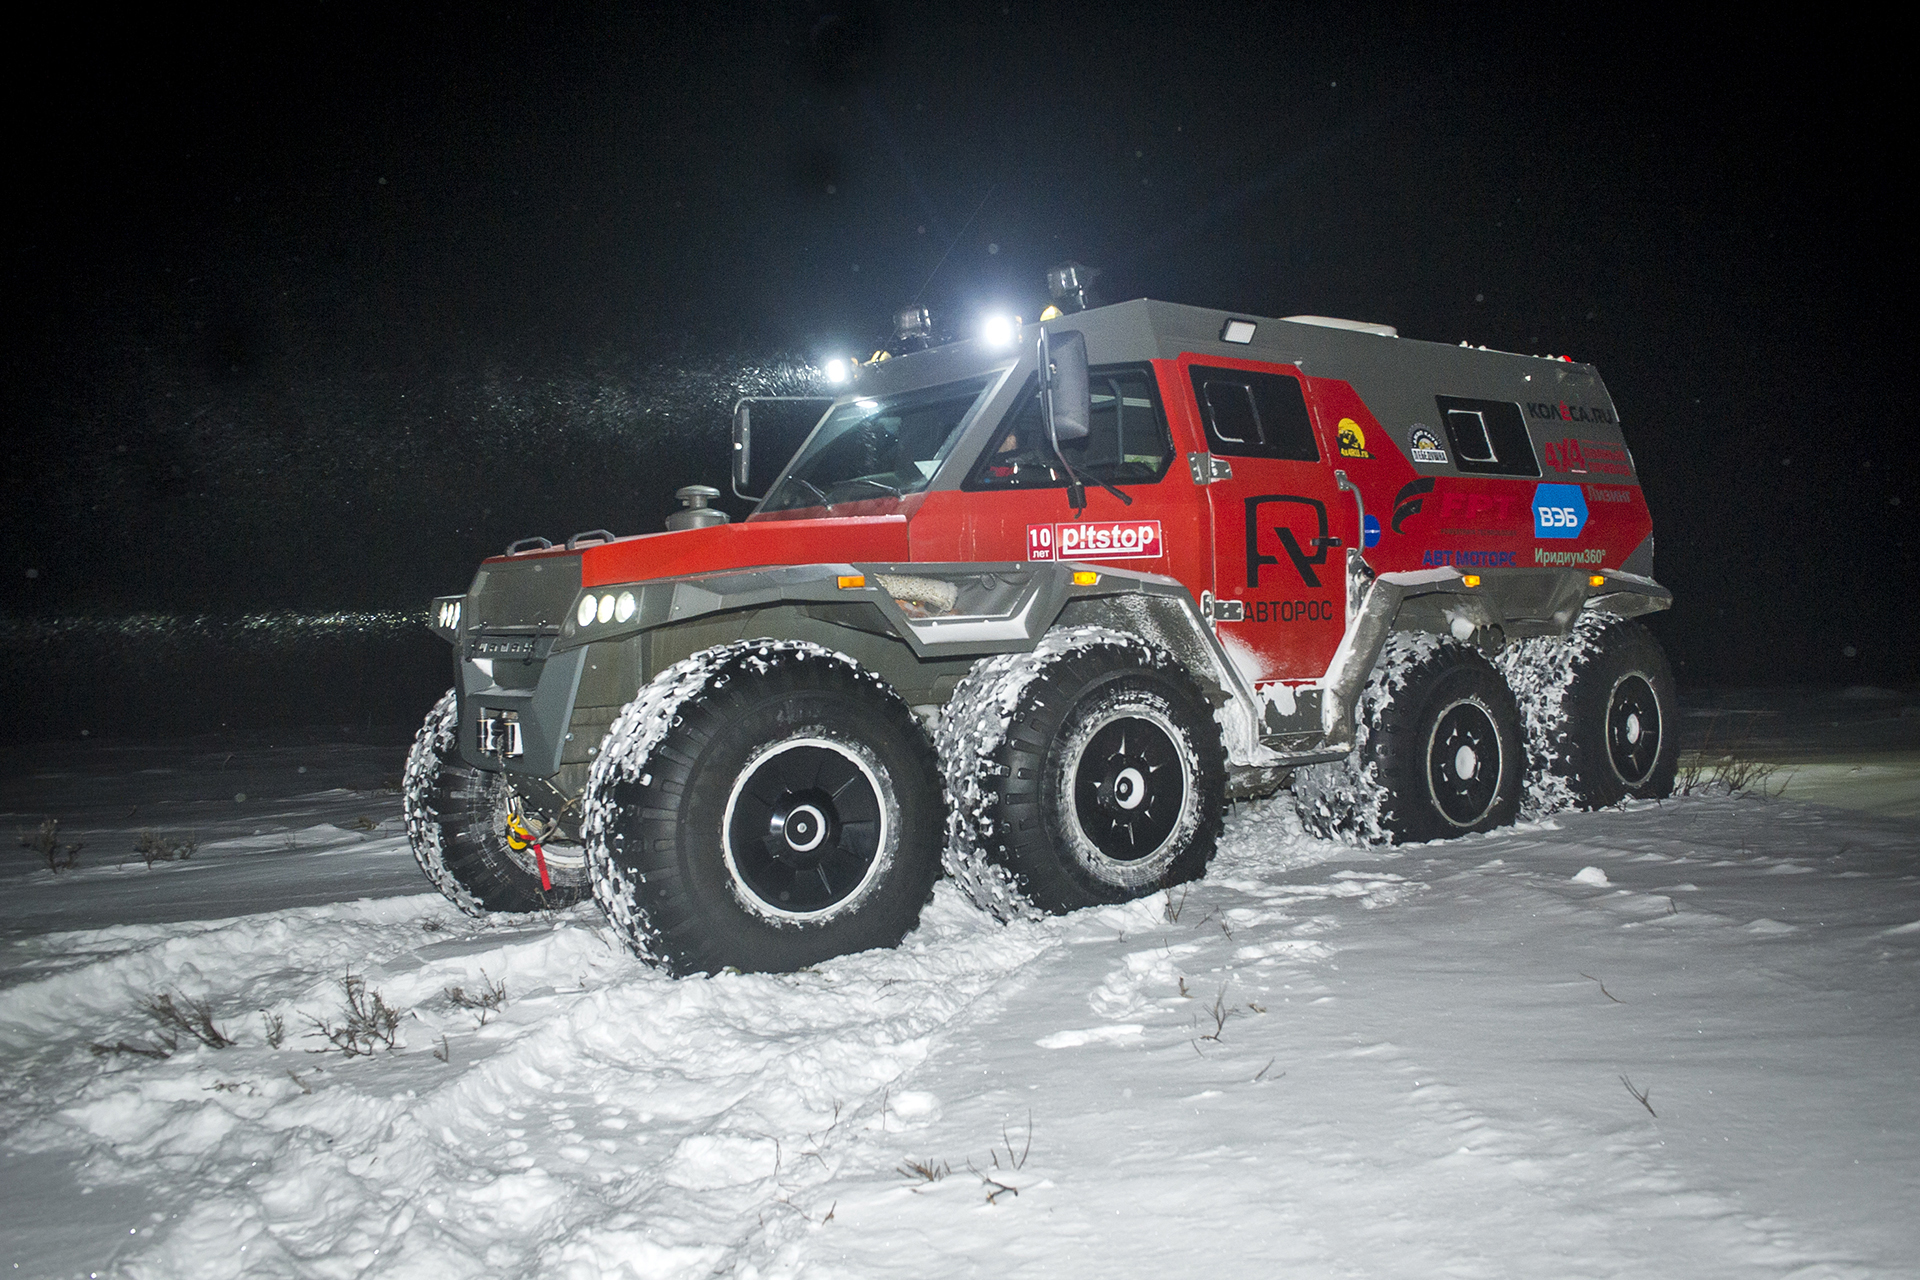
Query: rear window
pixel 1488 436
pixel 1254 415
pixel 1127 441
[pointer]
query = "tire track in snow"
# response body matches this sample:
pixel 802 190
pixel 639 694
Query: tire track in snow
pixel 606 1117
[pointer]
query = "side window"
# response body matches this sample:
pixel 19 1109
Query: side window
pixel 1254 415
pixel 1127 443
pixel 1488 436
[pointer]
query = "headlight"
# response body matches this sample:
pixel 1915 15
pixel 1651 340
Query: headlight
pixel 606 608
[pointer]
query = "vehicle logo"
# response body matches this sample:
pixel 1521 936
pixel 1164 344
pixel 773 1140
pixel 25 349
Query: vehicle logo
pixel 1304 561
pixel 1353 441
pixel 1559 511
pixel 1410 499
pixel 1425 446
pixel 1096 540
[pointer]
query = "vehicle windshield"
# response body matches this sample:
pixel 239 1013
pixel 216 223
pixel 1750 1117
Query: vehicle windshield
pixel 883 447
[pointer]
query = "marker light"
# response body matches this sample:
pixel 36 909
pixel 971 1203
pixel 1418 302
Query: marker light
pixel 848 581
pixel 1085 577
pixel 838 370
pixel 1471 579
pixel 586 612
pixel 998 332
pixel 1597 580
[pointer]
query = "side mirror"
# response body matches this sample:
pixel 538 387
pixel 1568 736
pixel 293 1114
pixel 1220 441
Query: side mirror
pixel 1065 400
pixel 782 424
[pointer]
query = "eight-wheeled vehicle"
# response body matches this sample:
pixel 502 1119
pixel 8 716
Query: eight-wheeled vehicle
pixel 1029 613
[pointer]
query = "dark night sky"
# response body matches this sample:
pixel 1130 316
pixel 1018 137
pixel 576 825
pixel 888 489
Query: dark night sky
pixel 314 307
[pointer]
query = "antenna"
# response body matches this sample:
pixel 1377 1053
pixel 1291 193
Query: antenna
pixel 951 247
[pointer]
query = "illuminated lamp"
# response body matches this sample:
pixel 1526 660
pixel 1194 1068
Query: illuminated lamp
pixel 998 332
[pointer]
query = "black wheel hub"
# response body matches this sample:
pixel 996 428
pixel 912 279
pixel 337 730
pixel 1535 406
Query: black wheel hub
pixel 1633 730
pixel 804 827
pixel 1463 763
pixel 1129 789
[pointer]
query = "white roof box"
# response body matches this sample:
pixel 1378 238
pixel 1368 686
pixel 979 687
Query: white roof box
pixel 1358 326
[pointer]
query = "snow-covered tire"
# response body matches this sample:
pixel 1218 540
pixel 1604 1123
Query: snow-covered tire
pixel 763 806
pixel 1438 751
pixel 1599 712
pixel 456 823
pixel 1088 771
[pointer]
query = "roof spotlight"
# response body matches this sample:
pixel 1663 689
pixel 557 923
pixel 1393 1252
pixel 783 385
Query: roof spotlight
pixel 998 332
pixel 1068 283
pixel 912 331
pixel 838 370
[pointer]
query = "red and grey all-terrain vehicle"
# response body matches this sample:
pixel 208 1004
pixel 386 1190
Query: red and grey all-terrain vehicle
pixel 1033 613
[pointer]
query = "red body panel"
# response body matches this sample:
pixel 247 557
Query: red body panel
pixel 726 547
pixel 1230 537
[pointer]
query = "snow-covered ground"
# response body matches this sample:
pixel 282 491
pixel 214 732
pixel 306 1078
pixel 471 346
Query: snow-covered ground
pixel 1673 1039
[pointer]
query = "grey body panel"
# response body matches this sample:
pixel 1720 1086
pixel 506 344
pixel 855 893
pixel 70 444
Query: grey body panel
pixel 1398 378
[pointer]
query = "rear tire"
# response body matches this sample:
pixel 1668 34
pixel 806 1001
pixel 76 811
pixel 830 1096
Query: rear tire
pixel 457 825
pixel 1087 772
pixel 1600 711
pixel 1439 751
pixel 763 806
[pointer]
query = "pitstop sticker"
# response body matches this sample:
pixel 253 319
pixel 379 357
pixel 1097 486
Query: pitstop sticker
pixel 1096 540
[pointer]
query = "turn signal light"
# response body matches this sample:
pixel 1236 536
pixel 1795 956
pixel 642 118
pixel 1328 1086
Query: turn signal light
pixel 848 581
pixel 1471 579
pixel 1597 580
pixel 1085 578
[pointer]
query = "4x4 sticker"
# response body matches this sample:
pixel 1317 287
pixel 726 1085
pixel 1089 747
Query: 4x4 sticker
pixel 1353 441
pixel 1304 562
pixel 1096 540
pixel 1581 456
pixel 1559 511
pixel 1425 446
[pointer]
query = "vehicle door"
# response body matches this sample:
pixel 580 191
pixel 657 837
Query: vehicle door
pixel 1013 503
pixel 1280 524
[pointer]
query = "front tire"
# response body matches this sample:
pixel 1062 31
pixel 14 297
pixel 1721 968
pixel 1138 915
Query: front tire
pixel 1087 772
pixel 457 819
pixel 1439 751
pixel 763 806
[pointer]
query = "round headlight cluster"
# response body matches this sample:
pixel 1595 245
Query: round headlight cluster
pixel 606 608
pixel 449 615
